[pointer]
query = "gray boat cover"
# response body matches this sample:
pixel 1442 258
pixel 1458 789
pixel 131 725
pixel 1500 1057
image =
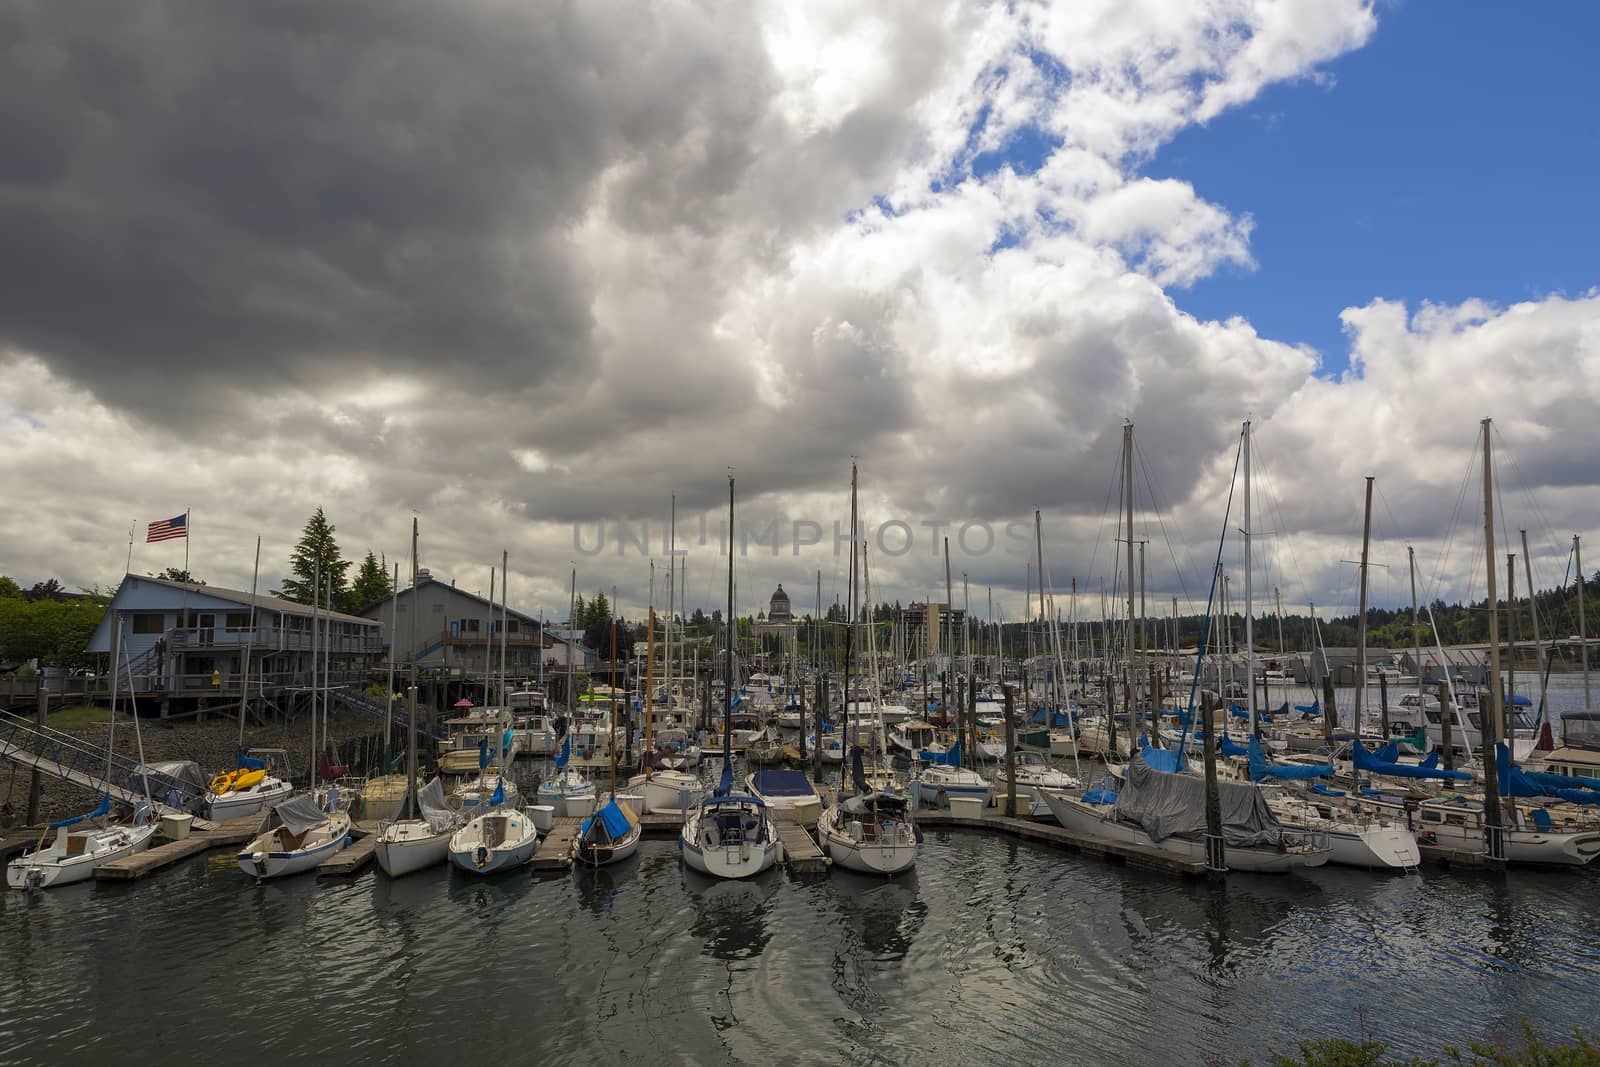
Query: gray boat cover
pixel 1166 805
pixel 435 812
pixel 300 813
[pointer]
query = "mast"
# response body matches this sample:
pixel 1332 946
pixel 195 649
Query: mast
pixel 1538 646
pixel 649 689
pixel 411 696
pixel 249 643
pixel 1416 628
pixel 316 591
pixel 394 639
pixel 1511 632
pixel 572 669
pixel 1490 716
pixel 1127 481
pixel 1583 629
pixel 727 689
pixel 1361 624
pixel 950 671
pixel 488 642
pixel 505 618
pixel 850 616
pixel 1249 593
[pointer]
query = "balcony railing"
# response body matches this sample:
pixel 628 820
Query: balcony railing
pixel 272 637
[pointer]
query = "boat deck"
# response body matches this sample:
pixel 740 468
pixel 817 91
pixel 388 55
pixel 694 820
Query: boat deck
pixel 233 832
pixel 1035 830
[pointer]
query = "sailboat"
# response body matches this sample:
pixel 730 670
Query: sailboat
pixel 610 835
pixel 75 853
pixel 729 834
pixel 569 791
pixel 663 790
pixel 871 831
pixel 503 839
pixel 299 835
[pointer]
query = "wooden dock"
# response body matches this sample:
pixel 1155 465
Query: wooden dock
pixel 800 852
pixel 554 852
pixel 354 857
pixel 1133 855
pixel 140 864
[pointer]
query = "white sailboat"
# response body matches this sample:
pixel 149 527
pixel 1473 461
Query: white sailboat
pixel 1034 773
pixel 299 835
pixel 610 835
pixel 872 831
pixel 409 844
pixel 729 834
pixel 502 840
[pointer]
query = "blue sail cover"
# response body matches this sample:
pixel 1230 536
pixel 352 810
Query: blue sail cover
pixel 613 818
pixel 1388 753
pixel 1260 769
pixel 249 763
pixel 1366 761
pixel 1169 760
pixel 483 753
pixel 103 808
pixel 1514 783
pixel 951 758
pixel 1242 713
pixel 1230 747
pixel 1562 781
pixel 566 754
pixel 1309 711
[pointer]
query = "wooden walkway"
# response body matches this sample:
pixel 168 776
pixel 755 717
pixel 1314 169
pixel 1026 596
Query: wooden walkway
pixel 140 864
pixel 1133 855
pixel 800 852
pixel 352 859
pixel 555 848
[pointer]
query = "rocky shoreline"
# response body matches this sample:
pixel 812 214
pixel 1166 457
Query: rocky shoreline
pixel 357 738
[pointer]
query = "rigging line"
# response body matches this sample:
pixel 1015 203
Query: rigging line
pixel 1434 583
pixel 1526 485
pixel 1277 515
pixel 1178 569
pixel 1115 481
pixel 1205 623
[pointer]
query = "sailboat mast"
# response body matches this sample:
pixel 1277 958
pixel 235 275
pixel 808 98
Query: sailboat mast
pixel 1127 481
pixel 1583 629
pixel 316 591
pixel 505 617
pixel 1361 624
pixel 1533 612
pixel 1490 717
pixel 727 689
pixel 249 643
pixel 572 668
pixel 488 642
pixel 411 687
pixel 394 640
pixel 1249 594
pixel 1416 625
pixel 649 688
pixel 950 670
pixel 850 614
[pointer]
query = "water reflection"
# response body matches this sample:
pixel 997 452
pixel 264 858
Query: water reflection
pixel 730 915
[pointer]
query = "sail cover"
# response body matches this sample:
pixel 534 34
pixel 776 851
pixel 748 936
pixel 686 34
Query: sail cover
pixel 103 808
pixel 1260 769
pixel 1367 761
pixel 435 812
pixel 1515 783
pixel 617 819
pixel 1174 805
pixel 301 813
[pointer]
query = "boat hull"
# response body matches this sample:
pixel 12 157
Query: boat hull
pixel 41 870
pixel 669 792
pixel 604 855
pixel 237 805
pixel 475 853
pixel 1083 818
pixel 259 860
pixel 888 856
pixel 403 848
pixel 743 859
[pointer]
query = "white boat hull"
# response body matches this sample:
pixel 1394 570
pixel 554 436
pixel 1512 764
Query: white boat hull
pixel 410 846
pixel 252 801
pixel 478 850
pixel 743 859
pixel 669 792
pixel 1378 847
pixel 1085 819
pixel 261 858
pixel 849 848
pixel 50 867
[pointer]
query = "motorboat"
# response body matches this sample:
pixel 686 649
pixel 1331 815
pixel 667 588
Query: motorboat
pixel 299 835
pixel 501 840
pixel 78 849
pixel 474 732
pixel 786 792
pixel 254 785
pixel 765 748
pixel 1034 772
pixel 677 749
pixel 667 792
pixel 914 737
pixel 535 732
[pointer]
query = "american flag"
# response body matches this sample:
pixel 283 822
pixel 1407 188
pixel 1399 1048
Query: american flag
pixel 168 529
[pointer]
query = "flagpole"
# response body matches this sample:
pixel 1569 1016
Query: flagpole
pixel 187 580
pixel 131 526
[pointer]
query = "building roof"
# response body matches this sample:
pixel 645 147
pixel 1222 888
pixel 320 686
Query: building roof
pixel 780 595
pixel 430 580
pixel 262 601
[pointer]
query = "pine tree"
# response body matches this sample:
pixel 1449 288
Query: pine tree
pixel 316 544
pixel 372 585
pixel 598 611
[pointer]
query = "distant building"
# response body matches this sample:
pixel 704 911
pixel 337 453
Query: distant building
pixel 460 633
pixel 779 630
pixel 185 640
pixel 923 629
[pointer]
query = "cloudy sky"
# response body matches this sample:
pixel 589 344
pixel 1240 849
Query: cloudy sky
pixel 525 269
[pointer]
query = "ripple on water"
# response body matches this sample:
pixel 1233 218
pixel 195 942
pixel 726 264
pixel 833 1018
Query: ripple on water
pixel 991 950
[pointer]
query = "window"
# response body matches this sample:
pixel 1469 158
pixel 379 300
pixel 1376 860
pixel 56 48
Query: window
pixel 148 623
pixel 512 626
pixel 1432 816
pixel 1475 719
pixel 238 620
pixel 1456 820
pixel 469 626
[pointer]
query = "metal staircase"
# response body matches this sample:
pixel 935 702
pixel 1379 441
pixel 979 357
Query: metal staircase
pixel 358 701
pixel 71 759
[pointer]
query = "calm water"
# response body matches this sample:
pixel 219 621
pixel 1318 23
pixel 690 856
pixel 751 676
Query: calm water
pixel 993 951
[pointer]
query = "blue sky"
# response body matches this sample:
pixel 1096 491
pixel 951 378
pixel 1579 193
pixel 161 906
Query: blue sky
pixel 1452 157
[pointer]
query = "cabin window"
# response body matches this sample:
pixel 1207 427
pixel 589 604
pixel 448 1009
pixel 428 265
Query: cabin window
pixel 1455 820
pixel 1475 719
pixel 1432 816
pixel 1434 716
pixel 148 623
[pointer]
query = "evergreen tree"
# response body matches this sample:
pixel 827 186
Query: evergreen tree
pixel 316 545
pixel 372 585
pixel 597 611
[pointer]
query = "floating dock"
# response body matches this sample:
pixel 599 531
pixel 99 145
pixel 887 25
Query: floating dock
pixel 800 852
pixel 128 868
pixel 554 852
pixel 354 857
pixel 1133 855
